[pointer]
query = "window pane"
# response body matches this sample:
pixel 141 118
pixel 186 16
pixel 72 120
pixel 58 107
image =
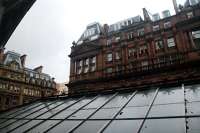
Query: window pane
pixel 193 108
pixel 44 126
pixel 118 101
pixel 64 127
pixel 81 103
pixel 12 126
pixel 82 114
pixel 142 98
pixel 98 102
pixel 32 110
pixel 54 111
pixel 26 126
pixel 170 95
pixel 167 110
pixel 133 112
pixel 193 125
pixel 123 126
pixel 48 108
pixel 192 93
pixel 105 113
pixel 63 114
pixel 8 122
pixel 90 127
pixel 164 126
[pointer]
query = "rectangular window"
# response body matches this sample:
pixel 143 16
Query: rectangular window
pixel 109 42
pixel 109 70
pixel 80 66
pixel 132 52
pixel 170 42
pixel 143 50
pixel 156 27
pixel 130 35
pixel 93 64
pixel 196 38
pixel 109 57
pixel 167 25
pixel 140 32
pixel 190 15
pixel 159 44
pixel 117 55
pixel 86 66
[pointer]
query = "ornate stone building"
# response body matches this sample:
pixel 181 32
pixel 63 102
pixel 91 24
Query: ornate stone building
pixel 138 52
pixel 19 84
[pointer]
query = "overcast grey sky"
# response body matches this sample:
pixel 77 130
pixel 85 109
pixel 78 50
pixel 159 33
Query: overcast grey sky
pixel 48 29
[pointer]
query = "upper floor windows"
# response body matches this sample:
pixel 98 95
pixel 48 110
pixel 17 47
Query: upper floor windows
pixel 156 27
pixel 159 44
pixel 109 70
pixel 167 25
pixel 109 57
pixel 143 50
pixel 171 42
pixel 79 66
pixel 130 35
pixel 86 65
pixel 190 15
pixel 196 38
pixel 132 52
pixel 117 55
pixel 140 32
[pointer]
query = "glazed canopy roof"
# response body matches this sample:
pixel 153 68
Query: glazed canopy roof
pixel 156 110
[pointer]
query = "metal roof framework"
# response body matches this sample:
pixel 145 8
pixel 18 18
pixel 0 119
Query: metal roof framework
pixel 165 110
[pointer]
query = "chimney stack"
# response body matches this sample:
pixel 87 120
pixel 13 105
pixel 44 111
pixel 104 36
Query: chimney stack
pixel 23 60
pixel 146 15
pixel 175 6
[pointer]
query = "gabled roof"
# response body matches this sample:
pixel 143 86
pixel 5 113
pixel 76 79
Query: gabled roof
pixel 155 110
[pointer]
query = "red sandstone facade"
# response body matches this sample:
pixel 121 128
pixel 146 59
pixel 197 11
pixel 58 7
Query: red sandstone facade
pixel 137 53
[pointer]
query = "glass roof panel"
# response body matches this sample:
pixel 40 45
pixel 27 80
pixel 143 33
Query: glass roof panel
pixel 56 110
pixel 167 110
pixel 19 110
pixel 44 126
pixel 170 95
pixel 193 93
pixel 82 114
pixel 63 114
pixel 26 126
pixel 90 127
pixel 133 112
pixel 142 98
pixel 193 108
pixel 193 125
pixel 81 103
pixel 164 126
pixel 123 126
pixel 98 102
pixel 12 126
pixel 28 112
pixel 105 113
pixel 64 127
pixel 118 101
